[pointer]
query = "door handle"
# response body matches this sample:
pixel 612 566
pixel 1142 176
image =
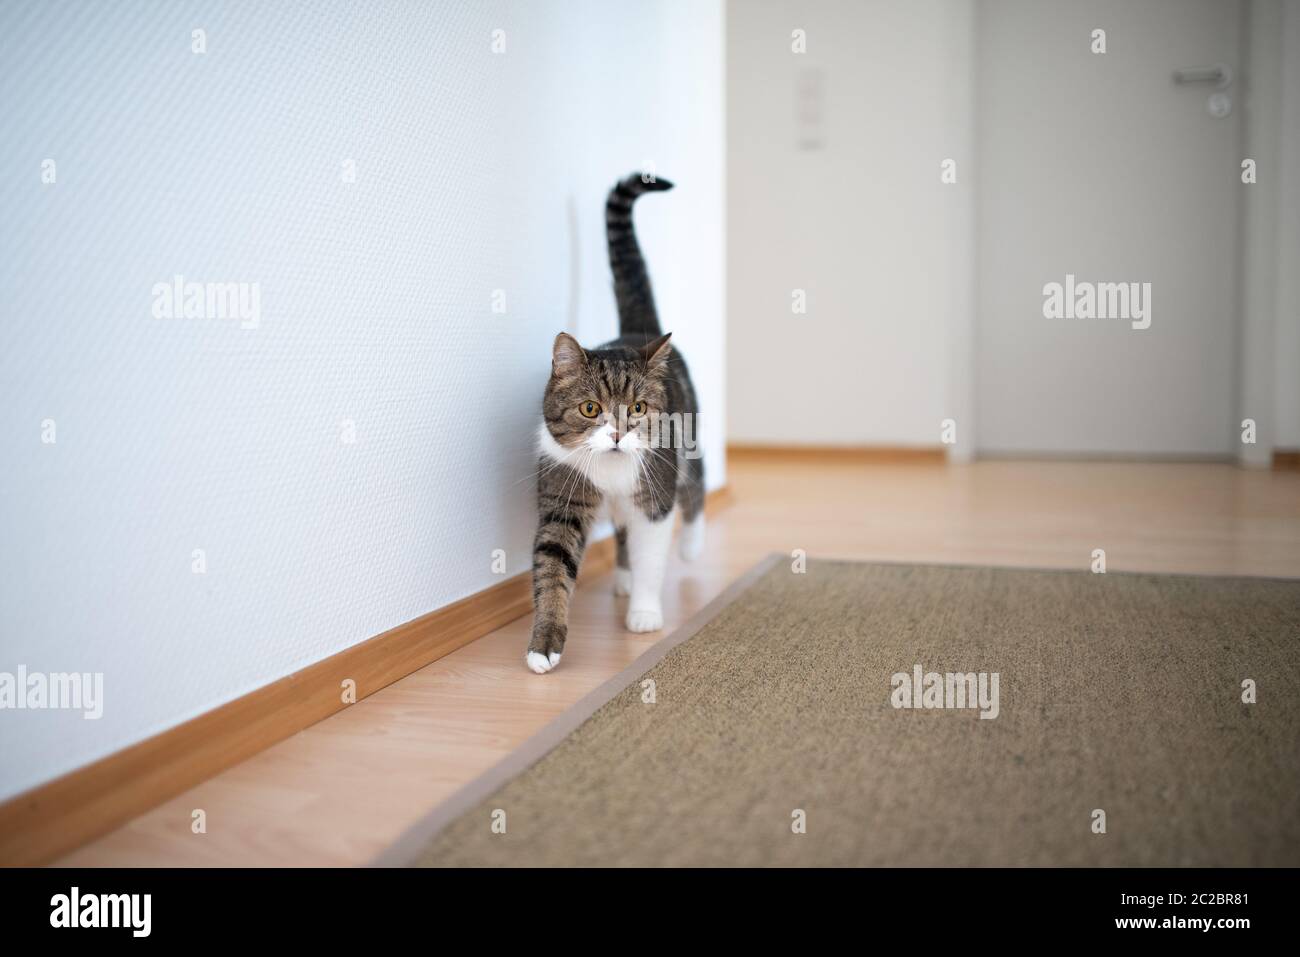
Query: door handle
pixel 1219 74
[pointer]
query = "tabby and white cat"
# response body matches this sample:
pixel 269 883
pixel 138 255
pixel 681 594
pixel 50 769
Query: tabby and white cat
pixel 598 449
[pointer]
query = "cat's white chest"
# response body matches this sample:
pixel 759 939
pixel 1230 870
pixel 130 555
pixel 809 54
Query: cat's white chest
pixel 613 473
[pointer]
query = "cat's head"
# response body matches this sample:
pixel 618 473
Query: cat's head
pixel 603 399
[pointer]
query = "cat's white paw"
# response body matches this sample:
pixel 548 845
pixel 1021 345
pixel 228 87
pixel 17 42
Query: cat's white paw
pixel 645 619
pixel 623 581
pixel 539 663
pixel 691 542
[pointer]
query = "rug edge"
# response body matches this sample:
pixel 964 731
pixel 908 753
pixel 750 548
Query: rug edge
pixel 419 834
pixel 1062 569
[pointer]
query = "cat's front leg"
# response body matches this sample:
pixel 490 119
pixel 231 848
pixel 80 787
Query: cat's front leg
pixel 648 542
pixel 557 553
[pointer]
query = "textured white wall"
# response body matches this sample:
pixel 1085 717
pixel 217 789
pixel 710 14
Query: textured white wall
pixel 473 172
pixel 860 221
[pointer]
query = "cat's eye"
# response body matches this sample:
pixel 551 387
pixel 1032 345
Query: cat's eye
pixel 638 408
pixel 590 409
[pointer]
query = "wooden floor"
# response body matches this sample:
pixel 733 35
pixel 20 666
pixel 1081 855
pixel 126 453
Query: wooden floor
pixel 340 792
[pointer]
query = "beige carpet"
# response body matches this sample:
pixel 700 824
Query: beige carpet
pixel 1117 692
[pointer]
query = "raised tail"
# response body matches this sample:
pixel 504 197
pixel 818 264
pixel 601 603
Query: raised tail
pixel 636 302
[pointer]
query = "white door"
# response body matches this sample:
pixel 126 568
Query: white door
pixel 1097 169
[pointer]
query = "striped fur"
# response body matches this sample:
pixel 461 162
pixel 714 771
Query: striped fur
pixel 576 477
pixel 636 301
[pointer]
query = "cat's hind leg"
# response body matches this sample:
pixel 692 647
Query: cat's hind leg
pixel 622 568
pixel 690 494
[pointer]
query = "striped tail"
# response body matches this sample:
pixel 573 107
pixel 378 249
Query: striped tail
pixel 636 303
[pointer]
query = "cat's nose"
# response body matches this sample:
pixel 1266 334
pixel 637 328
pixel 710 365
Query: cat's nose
pixel 615 436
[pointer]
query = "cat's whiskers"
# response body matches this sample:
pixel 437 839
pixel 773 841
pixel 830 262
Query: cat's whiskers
pixel 579 470
pixel 580 473
pixel 550 464
pixel 659 492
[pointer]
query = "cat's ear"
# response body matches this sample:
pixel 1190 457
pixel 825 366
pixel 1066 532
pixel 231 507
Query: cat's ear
pixel 656 352
pixel 567 357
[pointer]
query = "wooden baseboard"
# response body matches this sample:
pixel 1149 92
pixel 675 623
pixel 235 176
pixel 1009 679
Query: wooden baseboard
pixel 1286 460
pixel 39 825
pixel 846 454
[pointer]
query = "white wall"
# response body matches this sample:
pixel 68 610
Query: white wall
pixel 883 249
pixel 1269 353
pixel 474 172
pixel 1259 229
pixel 1286 376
